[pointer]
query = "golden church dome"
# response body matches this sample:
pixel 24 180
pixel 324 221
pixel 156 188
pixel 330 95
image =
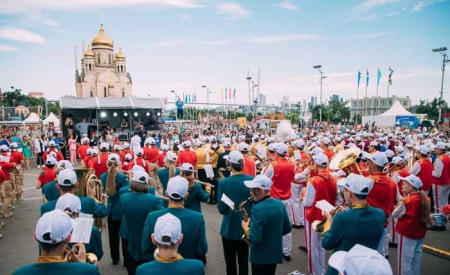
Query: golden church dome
pixel 88 52
pixel 120 55
pixel 101 39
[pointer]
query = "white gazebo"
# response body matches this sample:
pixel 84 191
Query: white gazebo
pixel 388 118
pixel 33 118
pixel 52 118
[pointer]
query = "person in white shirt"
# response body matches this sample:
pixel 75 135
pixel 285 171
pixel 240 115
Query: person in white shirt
pixel 135 141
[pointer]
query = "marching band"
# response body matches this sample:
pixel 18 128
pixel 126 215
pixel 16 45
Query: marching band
pixel 379 184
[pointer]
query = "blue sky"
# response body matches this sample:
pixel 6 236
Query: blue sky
pixel 183 44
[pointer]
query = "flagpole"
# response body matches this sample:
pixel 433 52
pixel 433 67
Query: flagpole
pixel 365 98
pixel 378 84
pixel 357 104
pixel 389 75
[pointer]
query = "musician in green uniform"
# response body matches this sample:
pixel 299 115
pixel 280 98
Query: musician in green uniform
pixel 167 237
pixel 53 233
pixel 196 193
pixel 67 183
pixel 195 245
pixel 112 182
pixel 361 224
pixel 169 171
pixel 265 230
pixel 136 206
pixel 231 229
pixel 50 190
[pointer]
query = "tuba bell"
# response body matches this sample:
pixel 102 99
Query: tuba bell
pixel 346 160
pixel 285 132
pixel 319 226
pixel 94 189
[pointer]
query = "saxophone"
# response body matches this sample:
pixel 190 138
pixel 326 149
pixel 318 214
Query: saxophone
pixel 245 236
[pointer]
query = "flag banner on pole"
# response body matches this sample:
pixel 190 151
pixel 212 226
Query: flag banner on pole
pixel 225 97
pixel 183 98
pixel 189 98
pixel 229 93
pixel 186 98
pixel 359 77
pixel 195 98
pixel 367 78
pixel 379 77
pixel 390 75
pixel 221 93
pixel 234 92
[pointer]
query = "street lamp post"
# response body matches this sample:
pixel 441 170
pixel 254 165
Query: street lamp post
pixel 319 68
pixel 444 61
pixel 255 100
pixel 207 100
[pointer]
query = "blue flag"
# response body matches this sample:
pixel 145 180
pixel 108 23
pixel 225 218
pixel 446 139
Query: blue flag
pixel 189 98
pixel 359 77
pixel 379 77
pixel 186 98
pixel 390 75
pixel 195 97
pixel 367 78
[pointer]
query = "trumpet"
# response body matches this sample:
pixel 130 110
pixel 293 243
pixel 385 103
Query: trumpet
pixel 319 226
pixel 91 258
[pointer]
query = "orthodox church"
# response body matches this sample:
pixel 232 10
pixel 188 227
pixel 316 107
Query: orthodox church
pixel 103 73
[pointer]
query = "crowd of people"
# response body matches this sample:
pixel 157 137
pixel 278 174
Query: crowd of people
pixel 265 184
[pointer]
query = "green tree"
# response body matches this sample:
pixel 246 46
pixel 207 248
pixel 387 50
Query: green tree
pixel 249 116
pixel 316 112
pixel 338 110
pixel 431 109
pixel 294 117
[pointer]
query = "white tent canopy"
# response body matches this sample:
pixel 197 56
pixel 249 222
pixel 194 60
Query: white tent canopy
pixel 388 118
pixel 32 118
pixel 397 110
pixel 52 118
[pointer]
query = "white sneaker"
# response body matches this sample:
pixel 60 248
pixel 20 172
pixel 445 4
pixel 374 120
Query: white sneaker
pixel 39 166
pixel 1 236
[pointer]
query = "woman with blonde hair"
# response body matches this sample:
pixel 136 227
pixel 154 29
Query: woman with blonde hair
pixel 112 181
pixel 169 171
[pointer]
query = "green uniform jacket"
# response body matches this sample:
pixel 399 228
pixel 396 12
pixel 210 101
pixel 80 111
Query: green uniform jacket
pixel 114 208
pixel 196 195
pixel 362 226
pixel 88 206
pixel 50 191
pixel 57 269
pixel 123 232
pixel 236 190
pixel 268 225
pixel 136 207
pixel 183 266
pixel 163 175
pixel 194 243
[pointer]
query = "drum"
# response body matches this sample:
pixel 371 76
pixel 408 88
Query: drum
pixel 437 219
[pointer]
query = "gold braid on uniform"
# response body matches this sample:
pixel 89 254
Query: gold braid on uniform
pixel 169 260
pixel 50 259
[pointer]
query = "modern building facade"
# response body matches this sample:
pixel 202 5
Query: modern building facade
pixel 372 106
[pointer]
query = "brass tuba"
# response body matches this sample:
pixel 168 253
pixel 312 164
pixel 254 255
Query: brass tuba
pixel 346 160
pixel 319 226
pixel 94 189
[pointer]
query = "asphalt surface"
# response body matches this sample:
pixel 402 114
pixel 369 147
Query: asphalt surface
pixel 18 246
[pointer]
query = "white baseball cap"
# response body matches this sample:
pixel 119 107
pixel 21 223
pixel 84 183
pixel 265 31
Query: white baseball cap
pixel 397 160
pixel 69 202
pixel 440 145
pixel 14 145
pixel 140 177
pixel 85 140
pixel 272 147
pixel 187 167
pixel 167 229
pixel 400 149
pixel 317 150
pixel 360 260
pixel 51 143
pixel 137 168
pixel 243 147
pixel 389 153
pixel 67 177
pixel 373 143
pixel 212 139
pixel 326 140
pixel 171 156
pixel 198 143
pixel 321 159
pixel 281 148
pixel 53 227
pixel 357 184
pixel 94 151
pixel 114 158
pixel 413 180
pixel 139 152
pixel 177 187
pixel 152 141
pixel 379 158
pixel 50 160
pixel 128 157
pixel 259 181
pixel 234 157
pixel 227 143
pixel 299 143
pixel 164 147
pixel 89 151
pixel 423 149
pixel 126 145
pixel 4 148
pixel 104 146
pixel 64 164
pixel 186 143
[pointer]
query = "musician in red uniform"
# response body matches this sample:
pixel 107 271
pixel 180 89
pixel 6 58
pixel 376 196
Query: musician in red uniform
pixel 187 155
pixel 298 184
pixel 325 143
pixel 320 187
pixel 281 171
pixel 6 188
pixel 413 214
pixel 126 163
pixel 441 178
pixel 249 163
pixel 82 150
pixel 17 178
pixel 151 153
pixel 51 148
pixel 100 162
pixel 423 168
pixel 362 165
pixel 139 161
pixel 126 150
pixel 162 155
pixel 48 173
pixel 383 193
pixel 87 159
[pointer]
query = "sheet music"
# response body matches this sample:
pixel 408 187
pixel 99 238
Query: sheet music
pixel 225 199
pixel 209 171
pixel 297 155
pixel 82 230
pixel 324 206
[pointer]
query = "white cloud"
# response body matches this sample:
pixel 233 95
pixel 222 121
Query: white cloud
pixel 281 38
pixel 288 5
pixel 21 35
pixel 58 30
pixel 171 43
pixel 375 34
pixel 218 42
pixel 185 16
pixel 372 4
pixel 7 48
pixel 234 10
pixel 42 19
pixel 15 6
pixel 419 6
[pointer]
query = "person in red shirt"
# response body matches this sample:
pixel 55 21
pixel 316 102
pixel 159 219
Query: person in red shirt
pixel 47 175
pixel 51 148
pixel 413 214
pixel 281 171
pixel 82 151
pixel 151 153
pixel 325 143
pixel 423 168
pixel 17 178
pixel 320 187
pixel 298 184
pixel 126 150
pixel 139 160
pixel 126 163
pixel 100 163
pixel 249 163
pixel 441 178
pixel 162 155
pixel 7 163
pixel 383 194
pixel 187 155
